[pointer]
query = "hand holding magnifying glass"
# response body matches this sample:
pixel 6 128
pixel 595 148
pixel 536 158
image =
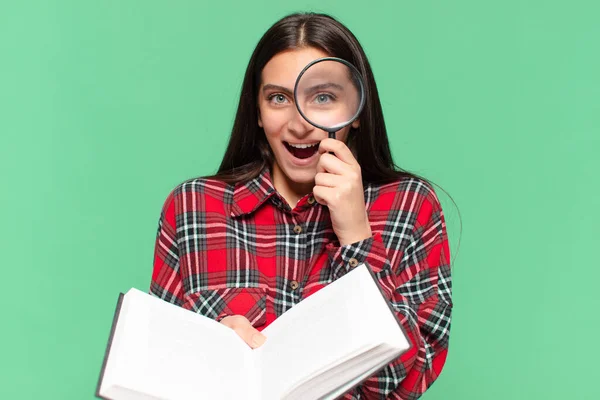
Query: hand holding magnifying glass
pixel 329 94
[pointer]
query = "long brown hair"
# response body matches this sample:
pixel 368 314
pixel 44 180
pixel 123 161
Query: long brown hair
pixel 248 151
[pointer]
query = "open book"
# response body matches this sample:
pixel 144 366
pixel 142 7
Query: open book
pixel 320 348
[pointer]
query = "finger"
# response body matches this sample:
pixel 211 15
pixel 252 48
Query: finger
pixel 325 195
pixel 255 339
pixel 245 330
pixel 318 194
pixel 338 148
pixel 250 335
pixel 327 179
pixel 333 165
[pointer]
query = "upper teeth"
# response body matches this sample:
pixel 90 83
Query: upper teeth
pixel 302 146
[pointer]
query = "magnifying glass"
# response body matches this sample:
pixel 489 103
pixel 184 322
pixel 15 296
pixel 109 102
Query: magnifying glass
pixel 329 94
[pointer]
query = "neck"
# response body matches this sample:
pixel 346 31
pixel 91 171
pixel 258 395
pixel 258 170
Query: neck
pixel 291 191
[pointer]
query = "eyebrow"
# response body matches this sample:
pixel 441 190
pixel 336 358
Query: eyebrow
pixel 324 86
pixel 270 86
pixel 283 89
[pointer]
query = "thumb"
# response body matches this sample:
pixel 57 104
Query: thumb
pixel 257 339
pixel 245 330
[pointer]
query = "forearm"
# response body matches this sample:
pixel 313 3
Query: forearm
pixel 419 293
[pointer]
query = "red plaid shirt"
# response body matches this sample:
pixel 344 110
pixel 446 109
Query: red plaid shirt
pixel 223 249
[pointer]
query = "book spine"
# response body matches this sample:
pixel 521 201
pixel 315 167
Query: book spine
pixel 254 376
pixel 109 344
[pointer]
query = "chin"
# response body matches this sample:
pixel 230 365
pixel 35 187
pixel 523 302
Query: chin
pixel 300 176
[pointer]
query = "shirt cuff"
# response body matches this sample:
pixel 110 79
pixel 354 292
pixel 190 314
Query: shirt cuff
pixel 370 251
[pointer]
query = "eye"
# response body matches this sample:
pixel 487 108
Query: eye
pixel 277 98
pixel 324 98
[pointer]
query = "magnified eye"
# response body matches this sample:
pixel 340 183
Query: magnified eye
pixel 323 98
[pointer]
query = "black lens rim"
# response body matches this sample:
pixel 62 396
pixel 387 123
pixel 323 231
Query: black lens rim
pixel 332 129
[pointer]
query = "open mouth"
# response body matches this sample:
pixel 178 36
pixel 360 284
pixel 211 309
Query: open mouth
pixel 302 151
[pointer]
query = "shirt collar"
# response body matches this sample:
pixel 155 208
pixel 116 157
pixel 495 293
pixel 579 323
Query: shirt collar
pixel 250 195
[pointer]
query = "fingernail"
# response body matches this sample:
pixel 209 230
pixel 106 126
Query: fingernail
pixel 258 339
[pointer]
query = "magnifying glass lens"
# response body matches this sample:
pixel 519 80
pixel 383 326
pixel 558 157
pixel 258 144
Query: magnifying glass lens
pixel 329 94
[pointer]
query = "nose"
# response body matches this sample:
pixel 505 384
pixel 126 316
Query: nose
pixel 297 124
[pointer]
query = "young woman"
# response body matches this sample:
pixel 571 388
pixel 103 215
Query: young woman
pixel 290 210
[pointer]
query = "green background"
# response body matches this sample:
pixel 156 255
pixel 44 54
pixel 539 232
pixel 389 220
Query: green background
pixel 105 106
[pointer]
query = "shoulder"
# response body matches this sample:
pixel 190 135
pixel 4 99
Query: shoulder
pixel 200 194
pixel 208 186
pixel 409 194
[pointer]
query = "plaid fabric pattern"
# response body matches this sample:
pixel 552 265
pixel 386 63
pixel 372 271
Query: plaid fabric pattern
pixel 223 249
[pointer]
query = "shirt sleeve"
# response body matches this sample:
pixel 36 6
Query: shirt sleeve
pixel 167 282
pixel 415 277
pixel 166 279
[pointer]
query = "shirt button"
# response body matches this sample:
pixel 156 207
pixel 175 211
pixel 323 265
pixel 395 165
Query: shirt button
pixel 294 285
pixel 353 262
pixel 311 200
pixel 297 229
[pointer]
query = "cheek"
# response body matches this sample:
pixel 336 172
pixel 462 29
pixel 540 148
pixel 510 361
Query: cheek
pixel 273 122
pixel 342 134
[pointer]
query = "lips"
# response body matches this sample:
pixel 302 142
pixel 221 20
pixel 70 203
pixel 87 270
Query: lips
pixel 302 151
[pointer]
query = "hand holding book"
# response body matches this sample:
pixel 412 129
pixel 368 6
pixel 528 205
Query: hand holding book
pixel 336 340
pixel 245 330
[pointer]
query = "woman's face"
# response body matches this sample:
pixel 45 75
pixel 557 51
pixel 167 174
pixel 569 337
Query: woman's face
pixel 294 141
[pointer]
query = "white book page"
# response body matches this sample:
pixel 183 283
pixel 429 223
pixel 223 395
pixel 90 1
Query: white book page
pixel 171 353
pixel 338 320
pixel 336 382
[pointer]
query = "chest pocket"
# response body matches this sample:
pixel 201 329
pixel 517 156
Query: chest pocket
pixel 249 302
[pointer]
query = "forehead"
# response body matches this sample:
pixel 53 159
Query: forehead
pixel 284 67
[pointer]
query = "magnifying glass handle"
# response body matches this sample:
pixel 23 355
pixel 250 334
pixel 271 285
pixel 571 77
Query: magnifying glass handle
pixel 331 136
